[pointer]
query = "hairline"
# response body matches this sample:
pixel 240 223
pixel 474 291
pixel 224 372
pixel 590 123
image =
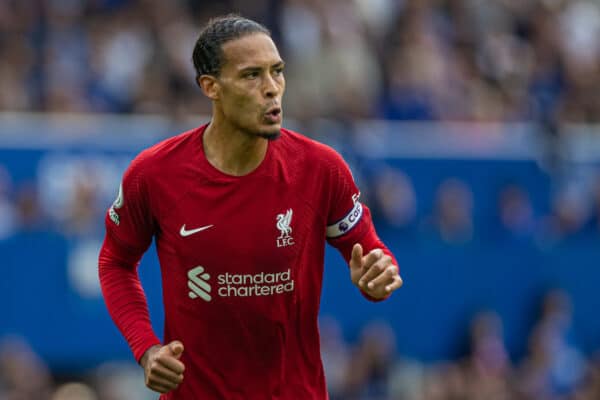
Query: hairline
pixel 233 39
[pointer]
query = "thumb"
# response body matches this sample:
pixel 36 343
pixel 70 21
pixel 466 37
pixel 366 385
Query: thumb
pixel 357 255
pixel 176 348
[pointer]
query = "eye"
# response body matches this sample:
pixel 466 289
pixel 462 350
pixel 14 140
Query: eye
pixel 278 71
pixel 251 75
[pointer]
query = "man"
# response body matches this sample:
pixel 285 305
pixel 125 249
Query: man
pixel 240 210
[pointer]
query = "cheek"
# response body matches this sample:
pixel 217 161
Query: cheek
pixel 239 102
pixel 241 110
pixel 282 85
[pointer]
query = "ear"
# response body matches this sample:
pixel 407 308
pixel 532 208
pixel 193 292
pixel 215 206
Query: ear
pixel 209 85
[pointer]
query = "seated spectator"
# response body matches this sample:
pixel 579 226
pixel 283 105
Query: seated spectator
pixel 23 375
pixel 487 367
pixel 452 217
pixel 394 199
pixel 516 220
pixel 372 362
pixel 554 366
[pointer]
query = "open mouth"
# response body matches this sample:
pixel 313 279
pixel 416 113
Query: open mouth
pixel 274 112
pixel 273 115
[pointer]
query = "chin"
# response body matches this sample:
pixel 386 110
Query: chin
pixel 270 134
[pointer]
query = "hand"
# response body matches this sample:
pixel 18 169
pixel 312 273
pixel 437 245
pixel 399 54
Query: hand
pixel 374 273
pixel 163 371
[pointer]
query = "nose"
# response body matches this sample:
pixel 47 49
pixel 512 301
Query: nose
pixel 271 87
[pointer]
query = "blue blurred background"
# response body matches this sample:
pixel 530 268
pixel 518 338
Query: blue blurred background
pixel 471 126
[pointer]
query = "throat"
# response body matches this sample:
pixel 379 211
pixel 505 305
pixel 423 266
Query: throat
pixel 236 156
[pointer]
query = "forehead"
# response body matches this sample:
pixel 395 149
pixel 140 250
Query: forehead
pixel 251 50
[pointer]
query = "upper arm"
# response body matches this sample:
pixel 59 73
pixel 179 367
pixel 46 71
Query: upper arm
pixel 130 218
pixel 346 214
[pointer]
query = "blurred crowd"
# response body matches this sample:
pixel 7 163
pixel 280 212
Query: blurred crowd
pixel 370 368
pixel 456 214
pixel 552 367
pixel 25 376
pixel 454 211
pixel 506 60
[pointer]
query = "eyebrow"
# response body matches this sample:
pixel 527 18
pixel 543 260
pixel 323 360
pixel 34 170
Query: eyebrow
pixel 252 68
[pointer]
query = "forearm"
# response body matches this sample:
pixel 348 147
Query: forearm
pixel 125 299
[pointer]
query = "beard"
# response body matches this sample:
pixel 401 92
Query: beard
pixel 272 132
pixel 269 136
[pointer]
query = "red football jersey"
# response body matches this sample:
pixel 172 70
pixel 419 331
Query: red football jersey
pixel 241 261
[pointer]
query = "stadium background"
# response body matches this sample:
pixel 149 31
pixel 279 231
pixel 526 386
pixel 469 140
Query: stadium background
pixel 472 130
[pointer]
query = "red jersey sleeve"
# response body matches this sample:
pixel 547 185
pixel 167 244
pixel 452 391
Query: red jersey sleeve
pixel 129 231
pixel 130 220
pixel 349 221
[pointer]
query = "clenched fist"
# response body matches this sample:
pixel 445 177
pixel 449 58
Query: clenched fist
pixel 163 371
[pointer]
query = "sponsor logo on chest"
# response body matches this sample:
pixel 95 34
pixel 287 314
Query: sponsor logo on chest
pixel 238 285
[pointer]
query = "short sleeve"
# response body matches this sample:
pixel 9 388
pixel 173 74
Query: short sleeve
pixel 130 220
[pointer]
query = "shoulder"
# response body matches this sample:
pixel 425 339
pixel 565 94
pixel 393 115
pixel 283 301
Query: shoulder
pixel 295 144
pixel 165 154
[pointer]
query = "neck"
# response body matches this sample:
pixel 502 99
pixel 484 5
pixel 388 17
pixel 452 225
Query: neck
pixel 231 150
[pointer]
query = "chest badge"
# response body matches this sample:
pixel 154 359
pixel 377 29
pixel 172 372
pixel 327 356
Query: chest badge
pixel 283 224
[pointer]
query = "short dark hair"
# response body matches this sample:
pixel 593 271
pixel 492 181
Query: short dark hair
pixel 208 52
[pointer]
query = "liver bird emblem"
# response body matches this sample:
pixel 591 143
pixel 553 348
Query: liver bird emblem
pixel 283 223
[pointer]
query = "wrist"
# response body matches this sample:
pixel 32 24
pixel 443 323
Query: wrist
pixel 147 354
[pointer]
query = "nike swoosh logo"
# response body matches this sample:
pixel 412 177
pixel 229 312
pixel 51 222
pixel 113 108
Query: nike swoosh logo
pixel 183 232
